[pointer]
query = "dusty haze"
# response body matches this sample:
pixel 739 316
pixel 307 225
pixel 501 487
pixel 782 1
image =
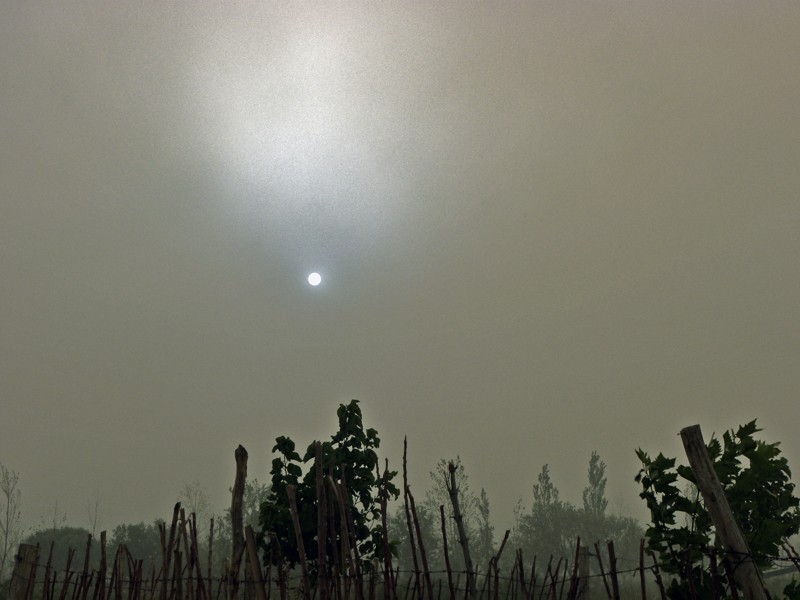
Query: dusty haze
pixel 544 228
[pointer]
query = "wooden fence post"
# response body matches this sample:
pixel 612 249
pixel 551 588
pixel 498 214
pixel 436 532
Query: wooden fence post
pixel 612 569
pixel 255 564
pixel 747 575
pixel 24 567
pixel 237 520
pixel 583 573
pixel 298 536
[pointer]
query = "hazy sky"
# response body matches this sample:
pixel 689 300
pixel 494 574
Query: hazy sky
pixel 544 228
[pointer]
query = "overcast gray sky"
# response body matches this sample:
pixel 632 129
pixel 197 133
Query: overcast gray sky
pixel 544 228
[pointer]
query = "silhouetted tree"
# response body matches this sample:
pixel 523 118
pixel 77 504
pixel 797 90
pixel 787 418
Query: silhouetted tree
pixel 594 495
pixel 64 539
pixel 351 451
pixel 10 515
pixel 194 499
pixel 552 525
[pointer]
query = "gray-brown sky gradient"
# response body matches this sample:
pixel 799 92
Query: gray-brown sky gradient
pixel 544 228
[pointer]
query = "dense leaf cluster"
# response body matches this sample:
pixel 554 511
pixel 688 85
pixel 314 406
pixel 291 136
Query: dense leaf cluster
pixel 756 481
pixel 350 460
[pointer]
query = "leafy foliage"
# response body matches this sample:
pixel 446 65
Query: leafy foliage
pixel 756 481
pixel 350 457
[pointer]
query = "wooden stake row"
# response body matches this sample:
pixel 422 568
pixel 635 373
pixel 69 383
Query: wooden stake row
pixel 181 576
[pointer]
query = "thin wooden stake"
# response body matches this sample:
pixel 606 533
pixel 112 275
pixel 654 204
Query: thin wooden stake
pixel 712 552
pixel 452 490
pixel 100 587
pixel 659 582
pixel 546 574
pixel 409 524
pixel 184 537
pixel 641 570
pixel 389 584
pixel 573 583
pixel 278 559
pixel 255 565
pixel 532 578
pixel 350 530
pixel 84 580
pixel 495 565
pixel 583 570
pixel 791 553
pixel 450 584
pixel 237 522
pixel 731 580
pixel 47 590
pixel 210 568
pixel 201 582
pixel 68 574
pixel 298 535
pixel 563 579
pixel 602 570
pixel 554 578
pixel 344 534
pixel 177 573
pixel 612 569
pixel 423 555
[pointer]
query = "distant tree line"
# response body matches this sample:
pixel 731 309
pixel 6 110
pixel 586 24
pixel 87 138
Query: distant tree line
pixel 548 526
pixel 545 526
pixel 143 540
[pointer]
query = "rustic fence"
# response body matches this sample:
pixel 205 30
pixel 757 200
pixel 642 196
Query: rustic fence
pixel 182 574
pixel 124 577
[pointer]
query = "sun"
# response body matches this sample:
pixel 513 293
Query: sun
pixel 315 279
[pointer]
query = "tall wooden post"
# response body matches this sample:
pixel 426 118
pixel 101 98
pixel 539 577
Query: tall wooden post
pixel 24 568
pixel 237 522
pixel 745 572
